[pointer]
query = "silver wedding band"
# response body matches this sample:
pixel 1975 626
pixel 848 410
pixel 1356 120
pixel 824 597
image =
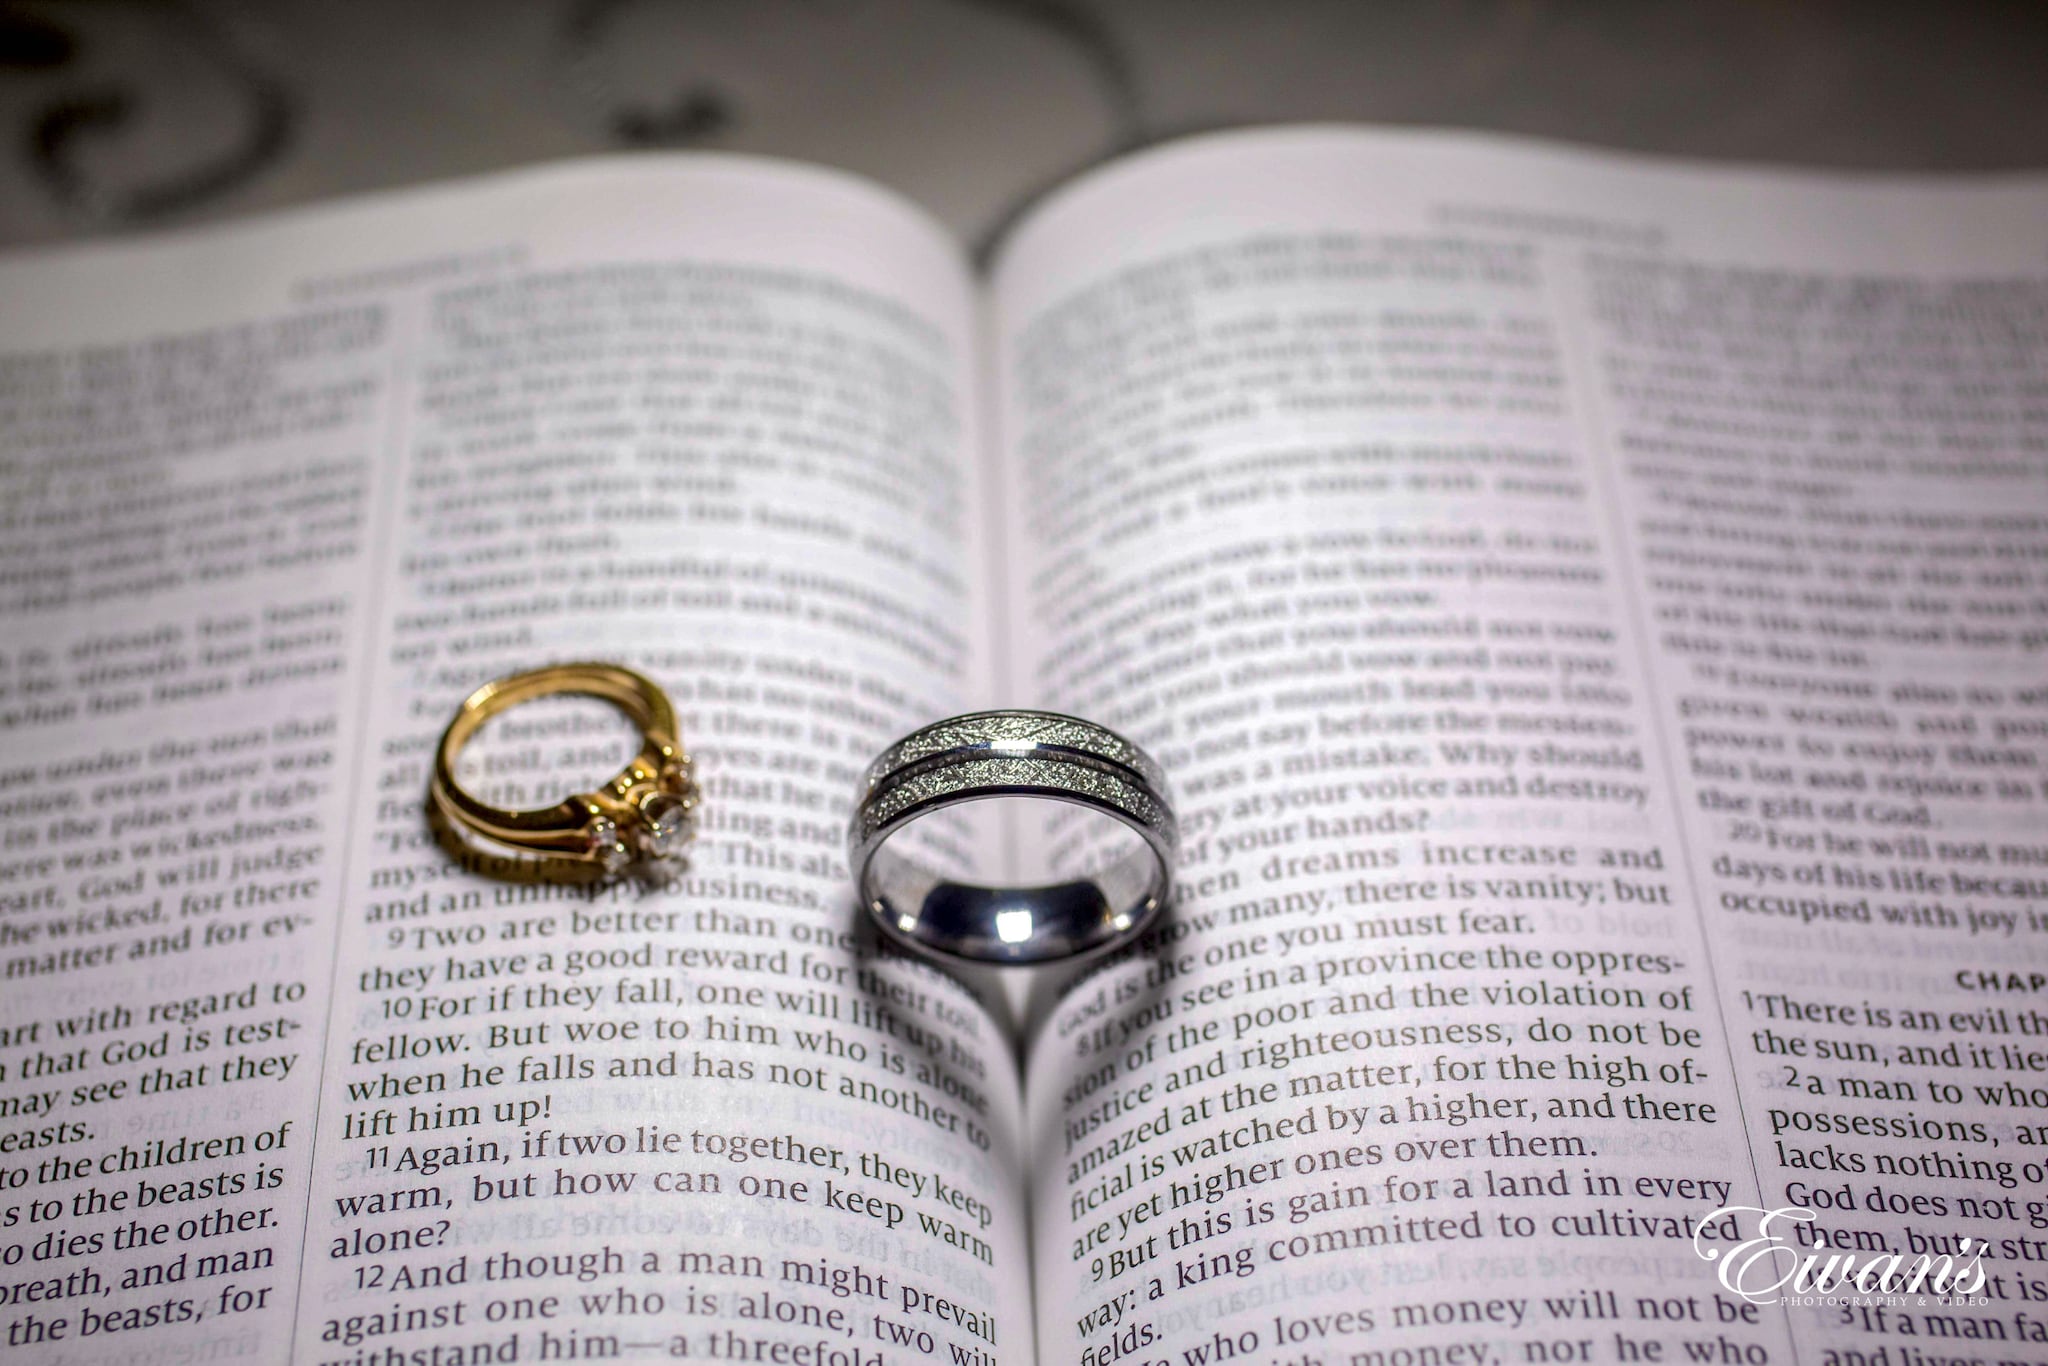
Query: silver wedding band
pixel 1012 754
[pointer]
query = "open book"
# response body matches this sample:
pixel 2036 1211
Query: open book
pixel 1594 614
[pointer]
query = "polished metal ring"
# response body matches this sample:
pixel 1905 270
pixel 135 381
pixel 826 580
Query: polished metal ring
pixel 647 813
pixel 1012 754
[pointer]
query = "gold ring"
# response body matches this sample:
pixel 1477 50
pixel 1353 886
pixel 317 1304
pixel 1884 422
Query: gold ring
pixel 648 812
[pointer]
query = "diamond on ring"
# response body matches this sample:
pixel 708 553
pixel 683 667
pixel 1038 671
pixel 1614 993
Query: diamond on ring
pixel 666 825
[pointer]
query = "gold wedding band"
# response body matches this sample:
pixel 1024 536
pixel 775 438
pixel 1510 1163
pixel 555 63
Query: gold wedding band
pixel 648 812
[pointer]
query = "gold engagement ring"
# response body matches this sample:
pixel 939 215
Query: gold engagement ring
pixel 647 813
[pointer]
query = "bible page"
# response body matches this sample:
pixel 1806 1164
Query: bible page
pixel 284 1077
pixel 1595 618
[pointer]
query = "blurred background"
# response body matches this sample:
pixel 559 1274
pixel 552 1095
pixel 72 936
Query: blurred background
pixel 125 114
